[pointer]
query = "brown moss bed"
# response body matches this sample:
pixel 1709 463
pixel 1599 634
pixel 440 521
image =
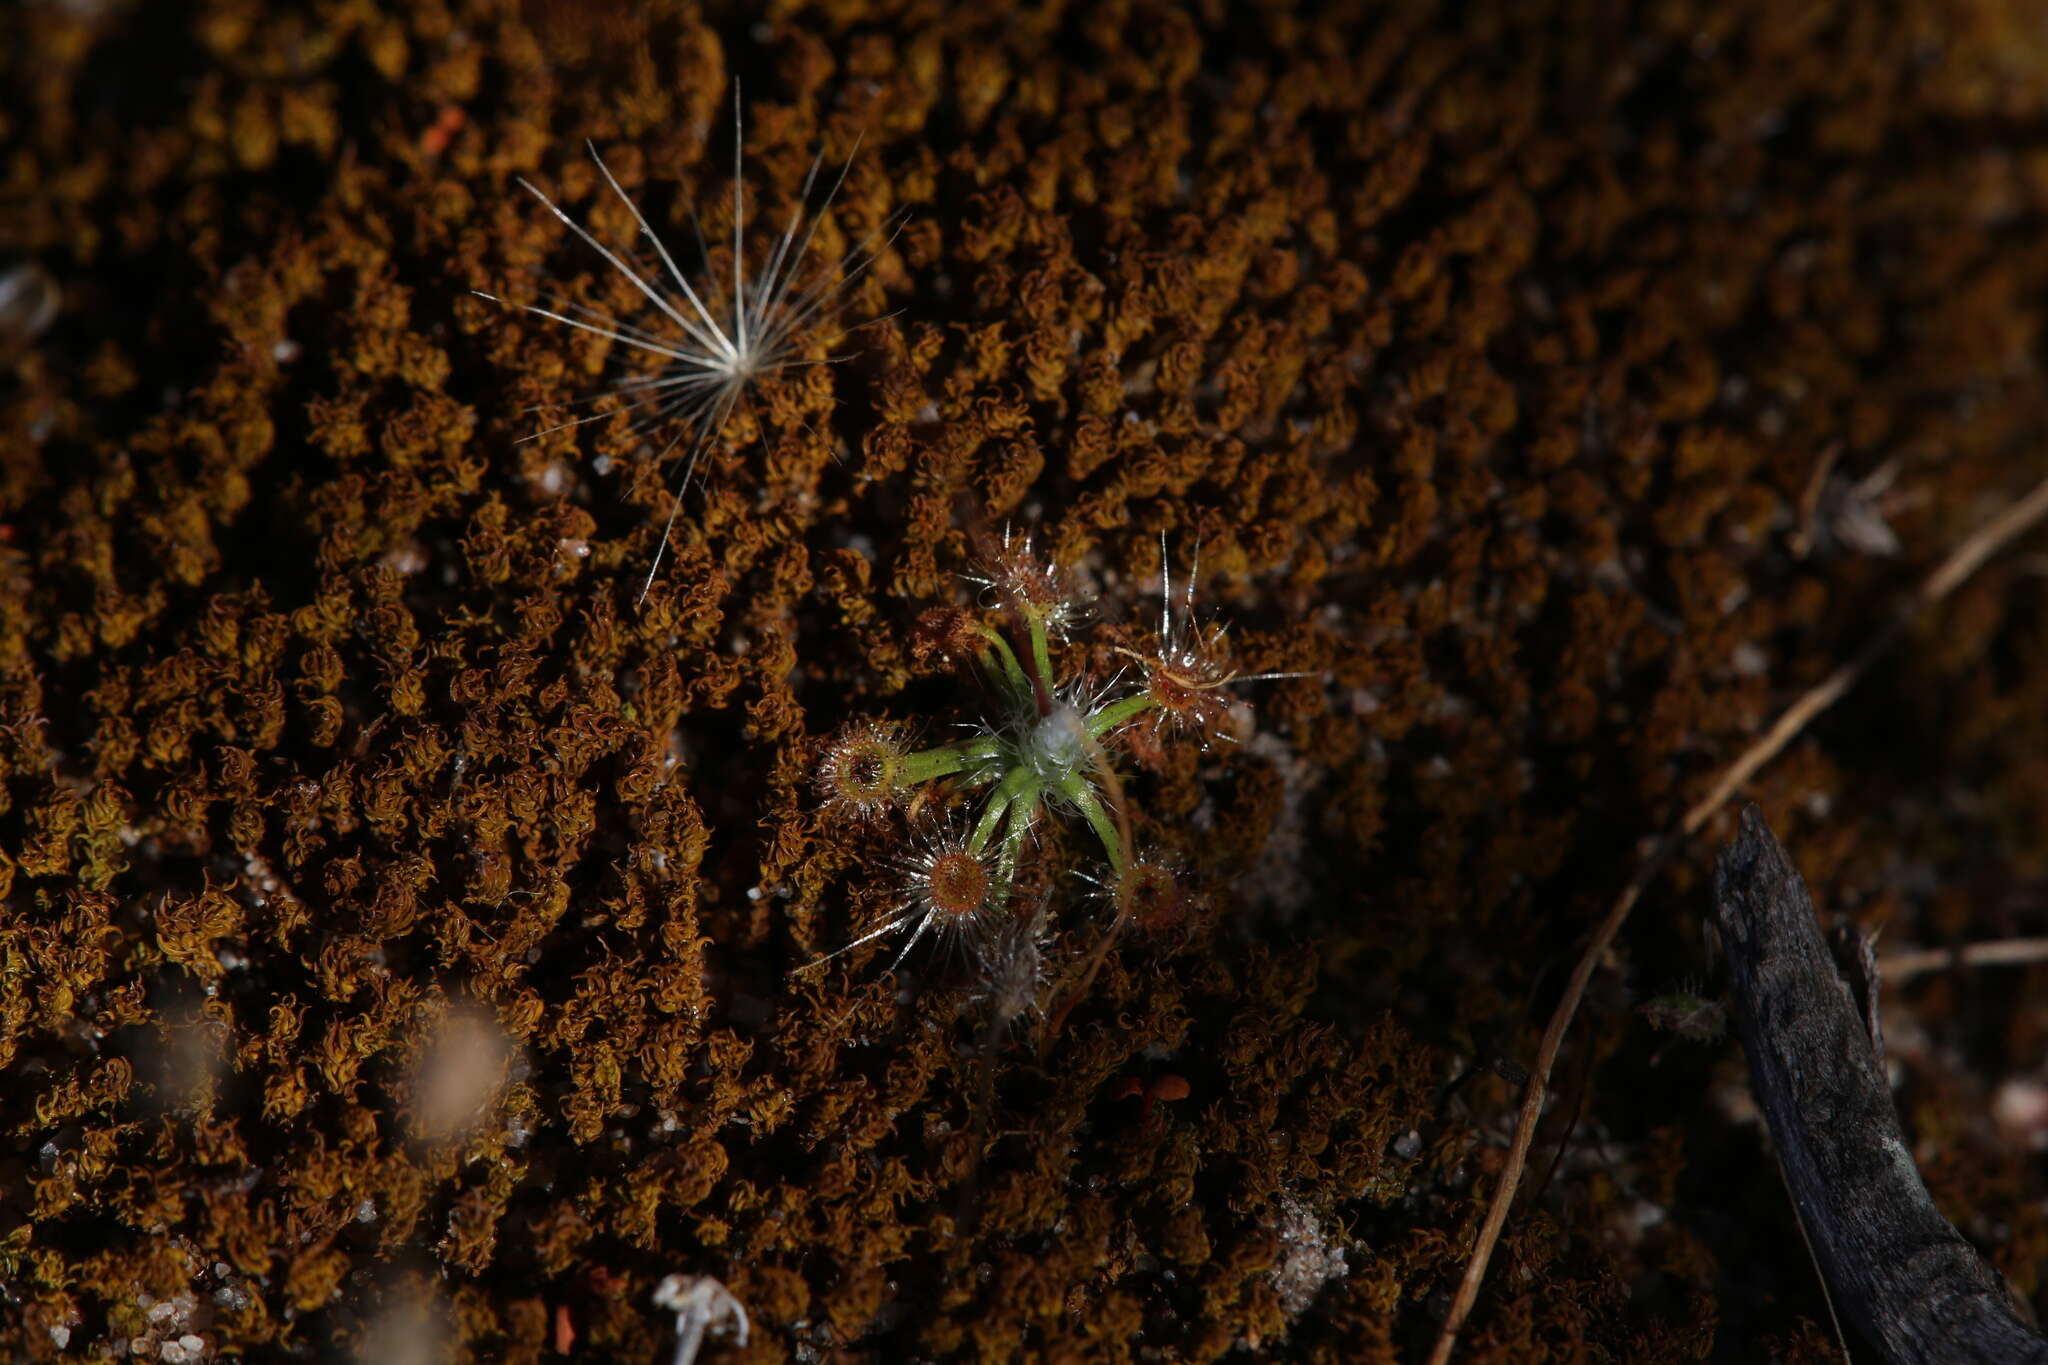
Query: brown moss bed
pixel 1489 355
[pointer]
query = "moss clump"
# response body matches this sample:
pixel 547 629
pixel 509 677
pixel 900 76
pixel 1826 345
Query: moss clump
pixel 1487 355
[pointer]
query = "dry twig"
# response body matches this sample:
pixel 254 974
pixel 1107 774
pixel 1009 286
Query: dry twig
pixel 1900 1272
pixel 1954 571
pixel 2010 952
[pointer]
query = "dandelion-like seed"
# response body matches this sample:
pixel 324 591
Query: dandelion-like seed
pixel 707 353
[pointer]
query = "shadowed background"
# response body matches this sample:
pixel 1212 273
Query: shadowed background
pixel 398 918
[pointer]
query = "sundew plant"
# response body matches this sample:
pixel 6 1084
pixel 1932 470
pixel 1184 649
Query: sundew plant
pixel 1044 752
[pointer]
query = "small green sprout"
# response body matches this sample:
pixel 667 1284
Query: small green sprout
pixel 1044 753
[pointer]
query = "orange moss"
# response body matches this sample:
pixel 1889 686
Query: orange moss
pixel 1487 359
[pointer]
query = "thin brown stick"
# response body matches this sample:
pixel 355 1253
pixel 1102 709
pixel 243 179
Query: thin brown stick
pixel 2010 952
pixel 1964 561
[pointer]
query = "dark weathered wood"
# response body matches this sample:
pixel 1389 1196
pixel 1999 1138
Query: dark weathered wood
pixel 1897 1272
